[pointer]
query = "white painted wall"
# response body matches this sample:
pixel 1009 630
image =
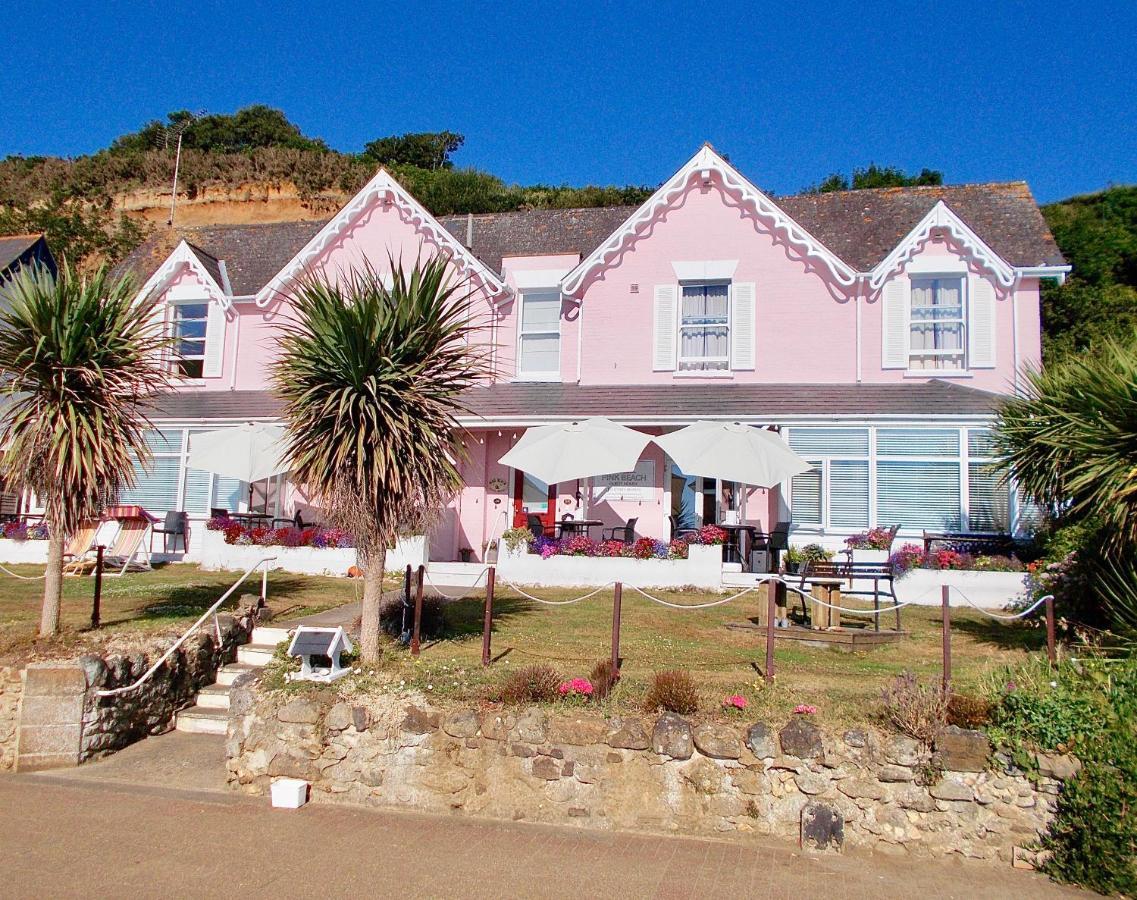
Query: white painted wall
pixel 701 569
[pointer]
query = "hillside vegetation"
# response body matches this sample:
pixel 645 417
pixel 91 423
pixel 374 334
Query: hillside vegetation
pixel 98 207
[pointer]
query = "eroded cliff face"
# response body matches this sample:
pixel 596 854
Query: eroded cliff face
pixel 249 203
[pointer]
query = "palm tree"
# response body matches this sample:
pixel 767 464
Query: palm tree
pixel 372 377
pixel 79 358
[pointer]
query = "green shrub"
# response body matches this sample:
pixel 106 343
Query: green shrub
pixel 533 684
pixel 1093 837
pixel 1039 708
pixel 674 691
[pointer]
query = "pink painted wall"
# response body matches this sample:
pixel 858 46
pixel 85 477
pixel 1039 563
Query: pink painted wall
pixel 509 314
pixel 805 326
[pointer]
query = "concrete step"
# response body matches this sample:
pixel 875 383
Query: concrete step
pixel 739 579
pixel 227 674
pixel 216 696
pixel 256 654
pixel 201 720
pixel 266 634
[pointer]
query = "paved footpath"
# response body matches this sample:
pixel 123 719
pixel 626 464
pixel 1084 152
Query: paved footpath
pixel 84 837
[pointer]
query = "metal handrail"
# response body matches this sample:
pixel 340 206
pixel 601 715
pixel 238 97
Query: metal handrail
pixel 205 615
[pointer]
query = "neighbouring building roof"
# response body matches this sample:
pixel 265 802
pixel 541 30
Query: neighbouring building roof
pixel 13 246
pixel 519 402
pixel 861 227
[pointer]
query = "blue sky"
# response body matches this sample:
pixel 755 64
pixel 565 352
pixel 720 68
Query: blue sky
pixel 616 93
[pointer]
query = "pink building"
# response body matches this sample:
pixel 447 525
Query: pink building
pixel 876 329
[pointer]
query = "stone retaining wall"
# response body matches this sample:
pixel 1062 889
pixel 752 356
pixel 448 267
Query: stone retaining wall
pixel 668 774
pixel 51 715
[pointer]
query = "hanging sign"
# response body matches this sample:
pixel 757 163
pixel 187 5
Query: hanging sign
pixel 639 484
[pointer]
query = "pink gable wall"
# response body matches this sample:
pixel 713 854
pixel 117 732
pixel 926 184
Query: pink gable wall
pixel 805 325
pixel 509 313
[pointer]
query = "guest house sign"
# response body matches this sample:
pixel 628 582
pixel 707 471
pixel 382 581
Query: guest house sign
pixel 639 484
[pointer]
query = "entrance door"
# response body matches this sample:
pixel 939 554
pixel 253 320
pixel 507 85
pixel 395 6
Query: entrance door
pixel 531 495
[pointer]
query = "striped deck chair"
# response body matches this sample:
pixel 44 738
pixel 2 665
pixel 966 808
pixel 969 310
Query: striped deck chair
pixel 80 552
pixel 127 553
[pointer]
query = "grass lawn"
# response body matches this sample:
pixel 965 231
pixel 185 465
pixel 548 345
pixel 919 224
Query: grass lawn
pixel 142 605
pixel 155 606
pixel 844 686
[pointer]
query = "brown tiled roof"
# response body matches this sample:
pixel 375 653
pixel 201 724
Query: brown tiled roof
pixel 861 227
pixel 772 402
pixel 13 246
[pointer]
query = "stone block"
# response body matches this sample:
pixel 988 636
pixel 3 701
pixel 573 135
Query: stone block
pixel 50 739
pixel 672 737
pixel 717 741
pixel 1057 765
pixel 546 767
pixel 895 774
pixel 338 718
pixel 750 782
pixel 54 681
pixel 57 709
pixel 300 711
pixel 761 741
pixel 704 776
pixel 801 738
pixel 811 784
pixel 496 726
pixel 822 827
pixel 862 788
pixel 532 727
pixel 461 724
pixel 420 721
pixel 577 732
pixel 952 789
pixel 627 734
pixel 962 749
pixel 360 718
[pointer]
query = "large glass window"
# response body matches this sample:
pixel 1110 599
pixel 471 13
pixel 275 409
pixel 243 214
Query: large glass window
pixel 835 493
pixel 539 342
pixel 917 484
pixel 188 324
pixel 988 500
pixel 704 327
pixel 936 324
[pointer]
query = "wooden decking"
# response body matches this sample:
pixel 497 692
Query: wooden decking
pixel 843 639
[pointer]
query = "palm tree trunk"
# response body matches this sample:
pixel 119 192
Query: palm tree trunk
pixel 53 583
pixel 372 600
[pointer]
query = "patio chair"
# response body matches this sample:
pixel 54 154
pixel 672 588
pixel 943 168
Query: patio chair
pixel 625 533
pixel 216 512
pixel 779 540
pixel 82 541
pixel 297 521
pixel 538 528
pixel 175 525
pixel 676 531
pixel 126 553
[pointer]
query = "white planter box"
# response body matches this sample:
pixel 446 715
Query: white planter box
pixel 990 590
pixel 701 569
pixel 216 555
pixel 864 556
pixel 289 793
pixel 12 551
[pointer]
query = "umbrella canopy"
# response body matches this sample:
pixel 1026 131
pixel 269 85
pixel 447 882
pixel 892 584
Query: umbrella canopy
pixel 566 452
pixel 730 451
pixel 249 452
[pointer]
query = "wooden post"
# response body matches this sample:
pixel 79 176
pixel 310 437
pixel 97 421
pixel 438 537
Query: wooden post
pixel 97 602
pixel 418 612
pixel 771 617
pixel 1051 650
pixel 945 598
pixel 405 623
pixel 487 625
pixel 617 599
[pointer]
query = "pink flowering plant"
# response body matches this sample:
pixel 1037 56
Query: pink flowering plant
pixel 576 689
pixel 805 709
pixel 22 531
pixel 580 545
pixel 734 703
pixel 874 539
pixel 262 536
pixel 912 556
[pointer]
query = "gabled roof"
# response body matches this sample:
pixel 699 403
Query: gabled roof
pixel 383 187
pixel 205 266
pixel 699 167
pixel 13 246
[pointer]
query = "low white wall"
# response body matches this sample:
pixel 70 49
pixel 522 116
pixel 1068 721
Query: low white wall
pixel 12 551
pixel 214 554
pixel 990 590
pixel 702 569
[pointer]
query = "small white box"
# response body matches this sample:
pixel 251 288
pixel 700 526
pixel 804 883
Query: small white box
pixel 289 793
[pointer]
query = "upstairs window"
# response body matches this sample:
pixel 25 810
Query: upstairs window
pixel 539 339
pixel 936 326
pixel 189 322
pixel 704 327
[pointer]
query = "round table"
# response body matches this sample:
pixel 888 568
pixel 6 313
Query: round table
pixel 579 526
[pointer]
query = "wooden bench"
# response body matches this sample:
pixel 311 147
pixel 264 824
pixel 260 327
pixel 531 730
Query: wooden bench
pixel 998 543
pixel 858 576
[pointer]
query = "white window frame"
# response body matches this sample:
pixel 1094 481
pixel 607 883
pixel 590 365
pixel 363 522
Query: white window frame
pixel 962 369
pixel 822 462
pixel 176 357
pixel 522 333
pixel 726 371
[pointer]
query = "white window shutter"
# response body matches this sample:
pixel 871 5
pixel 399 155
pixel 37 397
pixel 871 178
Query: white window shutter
pixel 980 323
pixel 894 313
pixel 214 341
pixel 742 326
pixel 664 327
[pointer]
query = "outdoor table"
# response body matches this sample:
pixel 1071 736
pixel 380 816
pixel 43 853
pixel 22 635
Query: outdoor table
pixel 825 591
pixel 734 545
pixel 579 526
pixel 249 519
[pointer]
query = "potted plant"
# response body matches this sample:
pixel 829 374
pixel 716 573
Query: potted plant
pixel 796 557
pixel 466 554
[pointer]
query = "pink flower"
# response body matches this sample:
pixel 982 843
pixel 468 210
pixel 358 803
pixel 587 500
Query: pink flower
pixel 735 701
pixel 804 709
pixel 578 687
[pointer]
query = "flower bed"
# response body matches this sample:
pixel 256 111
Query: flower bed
pixel 874 539
pixel 644 548
pixel 912 556
pixel 217 552
pixel 21 531
pixel 701 567
pixel 290 536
